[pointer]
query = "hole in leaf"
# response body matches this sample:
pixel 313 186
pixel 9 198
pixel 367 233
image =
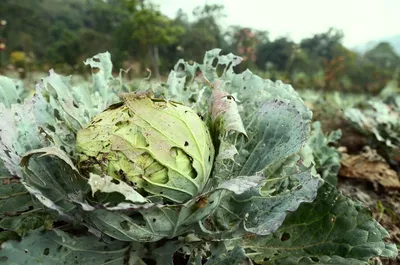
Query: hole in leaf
pixel 95 70
pixel 75 105
pixel 221 69
pixel 149 261
pixel 7 153
pixel 186 143
pixel 285 236
pixel 124 225
pixel 46 251
pixel 154 219
pixel 230 97
pixel 214 62
pixel 96 60
pixel 181 67
pixel 173 151
pixel 51 128
pixel 57 114
pixel 266 259
pixel 115 181
pixel 315 259
pixel 229 66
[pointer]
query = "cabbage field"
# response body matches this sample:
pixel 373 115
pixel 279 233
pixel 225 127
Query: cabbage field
pixel 210 166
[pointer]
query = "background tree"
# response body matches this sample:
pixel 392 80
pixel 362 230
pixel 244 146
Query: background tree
pixel 151 29
pixel 203 34
pixel 62 33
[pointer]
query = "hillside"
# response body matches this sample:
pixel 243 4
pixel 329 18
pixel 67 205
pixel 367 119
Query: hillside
pixel 393 40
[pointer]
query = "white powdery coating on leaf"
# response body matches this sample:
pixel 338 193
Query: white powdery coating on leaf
pixel 241 184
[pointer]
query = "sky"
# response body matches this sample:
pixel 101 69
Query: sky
pixel 360 20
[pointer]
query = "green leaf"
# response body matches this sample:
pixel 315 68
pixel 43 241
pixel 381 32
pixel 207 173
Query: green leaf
pixel 236 256
pixel 164 254
pixel 326 157
pixel 54 114
pixel 261 211
pixel 102 74
pixel 333 229
pixel 18 211
pixel 8 235
pixel 8 91
pixel 52 178
pixel 224 112
pixel 27 221
pixel 13 197
pixel 105 184
pixel 271 136
pixel 259 128
pixel 378 120
pixel 153 222
pixel 59 248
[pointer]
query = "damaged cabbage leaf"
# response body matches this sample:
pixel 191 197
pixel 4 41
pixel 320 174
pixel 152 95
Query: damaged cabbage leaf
pixel 54 180
pixel 18 211
pixel 52 116
pixel 326 157
pixel 332 229
pixel 59 248
pixel 8 91
pixel 380 122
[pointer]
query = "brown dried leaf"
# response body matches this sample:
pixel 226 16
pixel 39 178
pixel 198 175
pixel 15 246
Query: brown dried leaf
pixel 369 165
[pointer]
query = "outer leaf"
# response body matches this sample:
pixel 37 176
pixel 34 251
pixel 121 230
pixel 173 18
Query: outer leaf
pixel 224 112
pixel 155 223
pixel 262 213
pixel 7 235
pixel 52 117
pixel 8 91
pixel 14 197
pixel 236 256
pixel 58 248
pixel 53 179
pixel 331 230
pixel 272 138
pixel 277 125
pixel 326 157
pixel 18 212
pixel 164 255
pixel 105 184
pixel 271 113
pixel 379 120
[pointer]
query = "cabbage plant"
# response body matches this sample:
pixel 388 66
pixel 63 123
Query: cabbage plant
pixel 211 167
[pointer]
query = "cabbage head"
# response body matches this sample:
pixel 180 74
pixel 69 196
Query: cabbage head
pixel 159 147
